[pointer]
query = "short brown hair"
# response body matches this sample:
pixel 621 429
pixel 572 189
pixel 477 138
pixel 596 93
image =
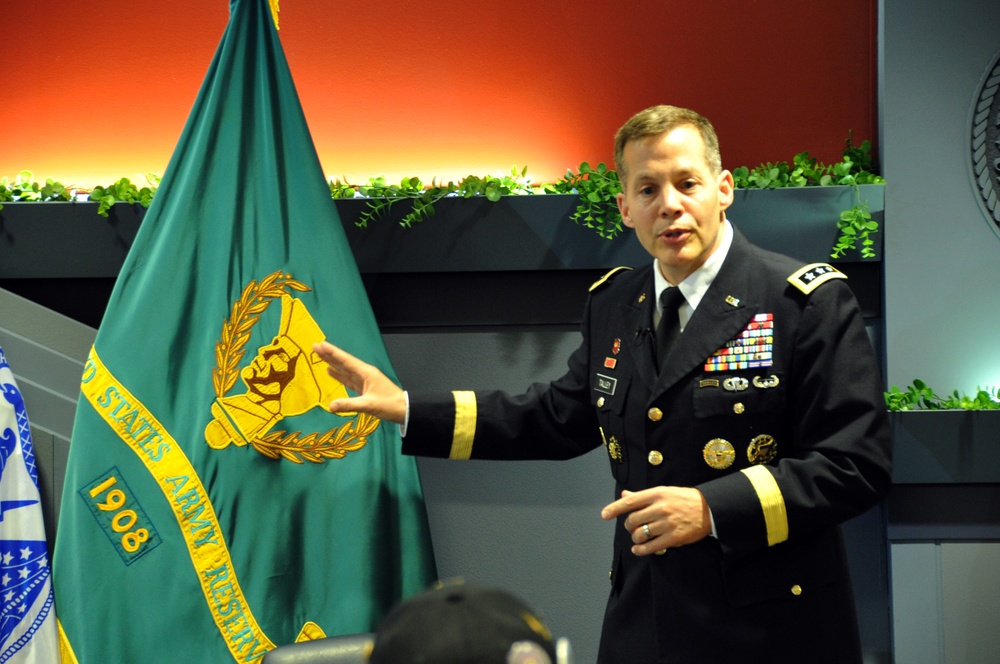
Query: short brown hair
pixel 660 120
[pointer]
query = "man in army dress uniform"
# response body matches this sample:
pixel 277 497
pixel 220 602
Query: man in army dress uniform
pixel 737 448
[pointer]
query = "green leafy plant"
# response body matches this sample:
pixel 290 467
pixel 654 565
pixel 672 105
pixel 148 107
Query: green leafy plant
pixel 854 224
pixel 596 186
pixel 124 191
pixel 24 188
pixel 856 168
pixel 598 189
pixel 920 396
pixel 382 196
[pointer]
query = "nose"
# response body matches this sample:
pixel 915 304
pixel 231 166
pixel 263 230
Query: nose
pixel 670 202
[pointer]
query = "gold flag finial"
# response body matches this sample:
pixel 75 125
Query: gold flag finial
pixel 274 12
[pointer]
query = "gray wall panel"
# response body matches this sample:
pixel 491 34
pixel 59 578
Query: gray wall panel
pixel 531 527
pixel 970 586
pixel 917 603
pixel 942 257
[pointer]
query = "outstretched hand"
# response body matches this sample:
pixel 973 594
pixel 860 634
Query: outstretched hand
pixel 377 395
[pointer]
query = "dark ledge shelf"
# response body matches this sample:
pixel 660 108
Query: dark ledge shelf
pixel 520 261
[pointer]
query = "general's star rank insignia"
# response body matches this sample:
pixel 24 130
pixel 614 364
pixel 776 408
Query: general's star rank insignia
pixel 810 277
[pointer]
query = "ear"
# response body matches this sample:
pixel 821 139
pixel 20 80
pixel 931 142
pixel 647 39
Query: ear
pixel 624 210
pixel 726 189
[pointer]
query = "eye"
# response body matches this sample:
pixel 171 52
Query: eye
pixel 688 185
pixel 646 190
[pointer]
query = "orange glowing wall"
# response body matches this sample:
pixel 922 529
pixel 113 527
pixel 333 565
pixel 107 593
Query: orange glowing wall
pixel 97 91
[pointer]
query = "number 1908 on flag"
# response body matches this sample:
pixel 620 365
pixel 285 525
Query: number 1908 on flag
pixel 120 516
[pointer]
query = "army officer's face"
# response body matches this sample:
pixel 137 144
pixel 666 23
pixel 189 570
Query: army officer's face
pixel 673 200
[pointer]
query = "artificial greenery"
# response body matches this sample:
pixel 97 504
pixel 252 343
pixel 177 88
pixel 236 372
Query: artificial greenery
pixel 124 191
pixel 382 196
pixel 856 168
pixel 919 396
pixel 596 186
pixel 25 189
pixel 598 189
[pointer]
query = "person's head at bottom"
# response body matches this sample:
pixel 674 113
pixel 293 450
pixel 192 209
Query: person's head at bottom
pixel 459 623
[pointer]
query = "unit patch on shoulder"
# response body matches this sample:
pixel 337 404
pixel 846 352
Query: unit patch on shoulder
pixel 607 277
pixel 809 278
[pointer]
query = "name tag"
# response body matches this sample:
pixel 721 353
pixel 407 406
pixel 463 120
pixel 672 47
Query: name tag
pixel 605 384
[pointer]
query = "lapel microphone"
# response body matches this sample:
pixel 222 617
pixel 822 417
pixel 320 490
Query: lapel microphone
pixel 641 332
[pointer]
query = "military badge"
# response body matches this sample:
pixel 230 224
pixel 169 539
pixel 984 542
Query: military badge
pixel 610 363
pixel 766 382
pixel 762 449
pixel 285 378
pixel 719 453
pixel 750 349
pixel 811 277
pixel 616 347
pixel 735 384
pixel 615 449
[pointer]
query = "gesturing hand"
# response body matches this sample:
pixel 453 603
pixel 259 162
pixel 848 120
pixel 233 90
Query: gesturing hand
pixel 377 395
pixel 662 517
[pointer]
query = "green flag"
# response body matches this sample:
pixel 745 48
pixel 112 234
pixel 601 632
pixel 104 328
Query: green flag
pixel 212 508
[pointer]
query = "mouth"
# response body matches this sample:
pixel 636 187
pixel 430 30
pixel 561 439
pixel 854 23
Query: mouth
pixel 674 235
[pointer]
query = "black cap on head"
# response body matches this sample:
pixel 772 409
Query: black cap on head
pixel 455 623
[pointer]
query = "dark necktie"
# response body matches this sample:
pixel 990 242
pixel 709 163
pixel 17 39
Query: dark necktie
pixel 670 299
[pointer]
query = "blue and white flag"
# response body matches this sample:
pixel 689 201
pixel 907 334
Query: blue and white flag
pixel 27 616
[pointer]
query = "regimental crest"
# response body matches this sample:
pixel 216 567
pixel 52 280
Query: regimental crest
pixel 284 379
pixel 762 449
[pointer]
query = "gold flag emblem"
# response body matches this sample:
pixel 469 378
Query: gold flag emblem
pixel 284 379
